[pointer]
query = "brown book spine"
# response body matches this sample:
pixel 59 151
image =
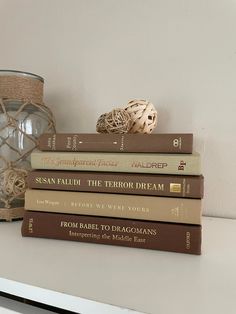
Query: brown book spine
pixel 94 142
pixel 124 232
pixel 125 183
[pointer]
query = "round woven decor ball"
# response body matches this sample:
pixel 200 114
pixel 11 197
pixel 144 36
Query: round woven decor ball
pixel 116 121
pixel 143 115
pixel 14 182
pixel 100 127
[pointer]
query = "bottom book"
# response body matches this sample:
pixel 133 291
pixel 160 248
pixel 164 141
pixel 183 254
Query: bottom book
pixel 173 237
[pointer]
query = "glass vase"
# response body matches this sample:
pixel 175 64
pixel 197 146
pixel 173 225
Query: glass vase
pixel 23 117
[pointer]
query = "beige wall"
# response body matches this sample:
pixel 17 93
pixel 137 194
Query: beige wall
pixel 98 54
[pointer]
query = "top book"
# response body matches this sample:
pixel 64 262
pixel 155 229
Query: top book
pixel 127 143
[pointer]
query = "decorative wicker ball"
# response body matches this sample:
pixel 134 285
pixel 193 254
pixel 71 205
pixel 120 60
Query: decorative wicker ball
pixel 100 127
pixel 117 121
pixel 13 183
pixel 143 115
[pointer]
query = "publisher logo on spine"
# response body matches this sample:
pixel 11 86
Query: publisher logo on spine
pixel 182 165
pixel 175 187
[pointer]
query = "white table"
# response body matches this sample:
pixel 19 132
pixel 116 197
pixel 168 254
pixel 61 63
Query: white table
pixel 92 278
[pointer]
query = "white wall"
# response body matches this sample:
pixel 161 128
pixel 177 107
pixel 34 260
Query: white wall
pixel 98 54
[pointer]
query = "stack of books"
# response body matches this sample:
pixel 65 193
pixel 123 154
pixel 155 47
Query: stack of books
pixel 134 190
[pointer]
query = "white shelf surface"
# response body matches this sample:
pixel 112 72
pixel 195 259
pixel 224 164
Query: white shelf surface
pixel 8 306
pixel 92 278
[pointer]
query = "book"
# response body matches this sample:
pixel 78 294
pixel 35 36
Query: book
pixel 125 183
pixel 187 164
pixel 124 232
pixel 116 205
pixel 89 142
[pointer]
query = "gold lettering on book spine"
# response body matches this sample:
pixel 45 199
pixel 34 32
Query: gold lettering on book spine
pixel 30 226
pixel 60 181
pixel 118 184
pixel 45 180
pixel 106 227
pixel 141 164
pixel 51 142
pixel 149 186
pixel 188 240
pixel 83 235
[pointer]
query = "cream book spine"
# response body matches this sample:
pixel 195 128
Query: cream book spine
pixel 186 164
pixel 154 208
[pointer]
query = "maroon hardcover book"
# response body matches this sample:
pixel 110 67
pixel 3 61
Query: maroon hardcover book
pixel 125 183
pixel 125 232
pixel 95 142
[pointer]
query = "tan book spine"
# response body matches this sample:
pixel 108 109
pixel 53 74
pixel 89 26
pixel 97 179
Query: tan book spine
pixel 115 182
pixel 188 164
pixel 88 142
pixel 155 208
pixel 113 231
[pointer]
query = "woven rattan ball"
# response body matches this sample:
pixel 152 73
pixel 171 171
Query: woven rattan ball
pixel 116 121
pixel 143 115
pixel 14 182
pixel 100 127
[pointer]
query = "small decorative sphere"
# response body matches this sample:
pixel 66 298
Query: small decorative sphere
pixel 143 115
pixel 116 121
pixel 100 127
pixel 13 182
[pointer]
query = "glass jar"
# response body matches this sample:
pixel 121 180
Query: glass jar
pixel 23 117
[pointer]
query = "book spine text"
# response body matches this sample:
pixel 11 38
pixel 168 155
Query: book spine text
pixel 159 143
pixel 141 184
pixel 139 234
pixel 182 164
pixel 116 205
